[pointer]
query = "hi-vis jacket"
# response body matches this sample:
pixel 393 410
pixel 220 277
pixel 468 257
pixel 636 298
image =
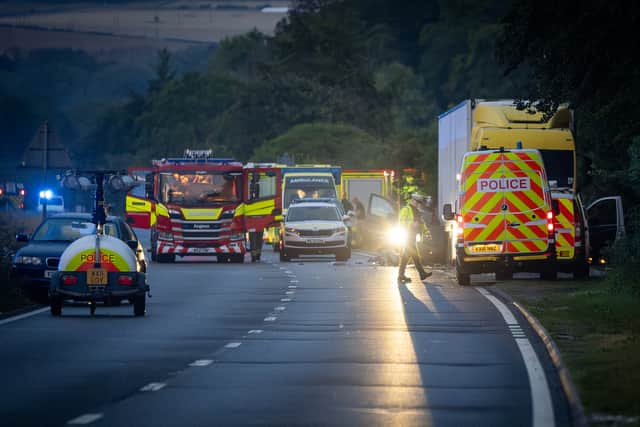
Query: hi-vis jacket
pixel 505 205
pixel 406 219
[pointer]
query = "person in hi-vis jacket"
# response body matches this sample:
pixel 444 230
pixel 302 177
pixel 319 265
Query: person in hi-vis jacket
pixel 411 220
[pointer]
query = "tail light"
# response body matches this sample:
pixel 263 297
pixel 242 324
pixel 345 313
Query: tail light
pixel 550 227
pixel 125 280
pixel 459 228
pixel 22 192
pixel 69 279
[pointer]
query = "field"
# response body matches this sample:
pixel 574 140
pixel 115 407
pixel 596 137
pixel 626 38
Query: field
pixel 95 26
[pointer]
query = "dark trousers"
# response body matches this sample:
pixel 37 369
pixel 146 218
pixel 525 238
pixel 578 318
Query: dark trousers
pixel 410 251
pixel 255 241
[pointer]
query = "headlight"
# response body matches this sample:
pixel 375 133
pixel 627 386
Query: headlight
pixel 292 231
pixel 29 260
pixel 340 231
pixel 397 236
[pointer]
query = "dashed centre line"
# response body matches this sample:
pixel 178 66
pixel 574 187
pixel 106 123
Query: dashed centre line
pixel 285 300
pixel 153 387
pixel 255 331
pixel 233 345
pixel 85 419
pixel 280 308
pixel 270 319
pixel 201 363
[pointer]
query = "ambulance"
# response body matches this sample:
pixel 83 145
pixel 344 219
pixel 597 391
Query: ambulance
pixel 505 216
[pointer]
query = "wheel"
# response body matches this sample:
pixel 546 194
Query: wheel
pixel 342 255
pixel 56 305
pixel 504 275
pixel 549 275
pixel 582 271
pixel 92 308
pixel 166 258
pixel 464 279
pixel 284 257
pixel 223 259
pixel 237 258
pixel 139 305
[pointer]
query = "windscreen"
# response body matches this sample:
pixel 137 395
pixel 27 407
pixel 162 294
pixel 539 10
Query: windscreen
pixel 312 186
pixel 559 167
pixel 69 229
pixel 313 213
pixel 198 188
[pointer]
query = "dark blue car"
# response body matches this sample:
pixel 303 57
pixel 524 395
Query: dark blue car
pixel 35 263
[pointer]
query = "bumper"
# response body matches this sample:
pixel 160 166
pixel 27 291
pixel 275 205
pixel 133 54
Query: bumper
pixel 236 247
pixel 82 292
pixel 315 248
pixel 531 263
pixel 31 279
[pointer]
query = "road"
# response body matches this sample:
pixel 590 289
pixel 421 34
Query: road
pixel 305 343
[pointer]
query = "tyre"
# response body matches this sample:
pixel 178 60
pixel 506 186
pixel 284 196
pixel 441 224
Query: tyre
pixel 549 275
pixel 342 255
pixel 56 305
pixel 284 257
pixel 222 259
pixel 504 275
pixel 464 279
pixel 166 258
pixel 139 305
pixel 237 258
pixel 582 270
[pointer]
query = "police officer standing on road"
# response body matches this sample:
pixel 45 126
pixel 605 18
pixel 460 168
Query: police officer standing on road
pixel 411 221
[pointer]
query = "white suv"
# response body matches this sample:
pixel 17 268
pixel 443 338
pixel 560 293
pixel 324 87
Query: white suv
pixel 314 228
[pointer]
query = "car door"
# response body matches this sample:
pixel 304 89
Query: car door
pixel 262 198
pixel 139 201
pixel 381 214
pixel 606 224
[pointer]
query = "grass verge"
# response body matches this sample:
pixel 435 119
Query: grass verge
pixel 597 330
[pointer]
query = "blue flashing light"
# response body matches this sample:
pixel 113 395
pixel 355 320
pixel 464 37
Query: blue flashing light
pixel 46 194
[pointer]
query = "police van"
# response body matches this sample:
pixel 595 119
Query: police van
pixel 505 216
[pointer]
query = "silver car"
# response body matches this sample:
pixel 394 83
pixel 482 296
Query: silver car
pixel 314 228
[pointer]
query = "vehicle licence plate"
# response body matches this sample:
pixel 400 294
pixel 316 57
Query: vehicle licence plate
pixel 97 277
pixel 201 250
pixel 49 273
pixel 492 248
pixel 314 241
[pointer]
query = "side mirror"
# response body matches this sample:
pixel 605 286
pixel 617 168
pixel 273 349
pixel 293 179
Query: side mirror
pixel 555 205
pixel 133 244
pixel 447 212
pixel 346 217
pixel 21 237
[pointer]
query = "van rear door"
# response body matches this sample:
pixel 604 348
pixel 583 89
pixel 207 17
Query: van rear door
pixel 504 203
pixel 482 204
pixel 527 202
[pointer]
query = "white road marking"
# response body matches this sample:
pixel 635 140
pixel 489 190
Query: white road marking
pixel 153 387
pixel 85 419
pixel 288 272
pixel 290 292
pixel 542 408
pixel 233 345
pixel 255 331
pixel 285 300
pixel 294 281
pixel 293 287
pixel 202 362
pixel 280 308
pixel 270 319
pixel 23 316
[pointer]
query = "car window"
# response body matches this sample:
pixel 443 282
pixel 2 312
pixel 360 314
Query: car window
pixel 127 232
pixel 63 229
pixel 313 213
pixel 70 229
